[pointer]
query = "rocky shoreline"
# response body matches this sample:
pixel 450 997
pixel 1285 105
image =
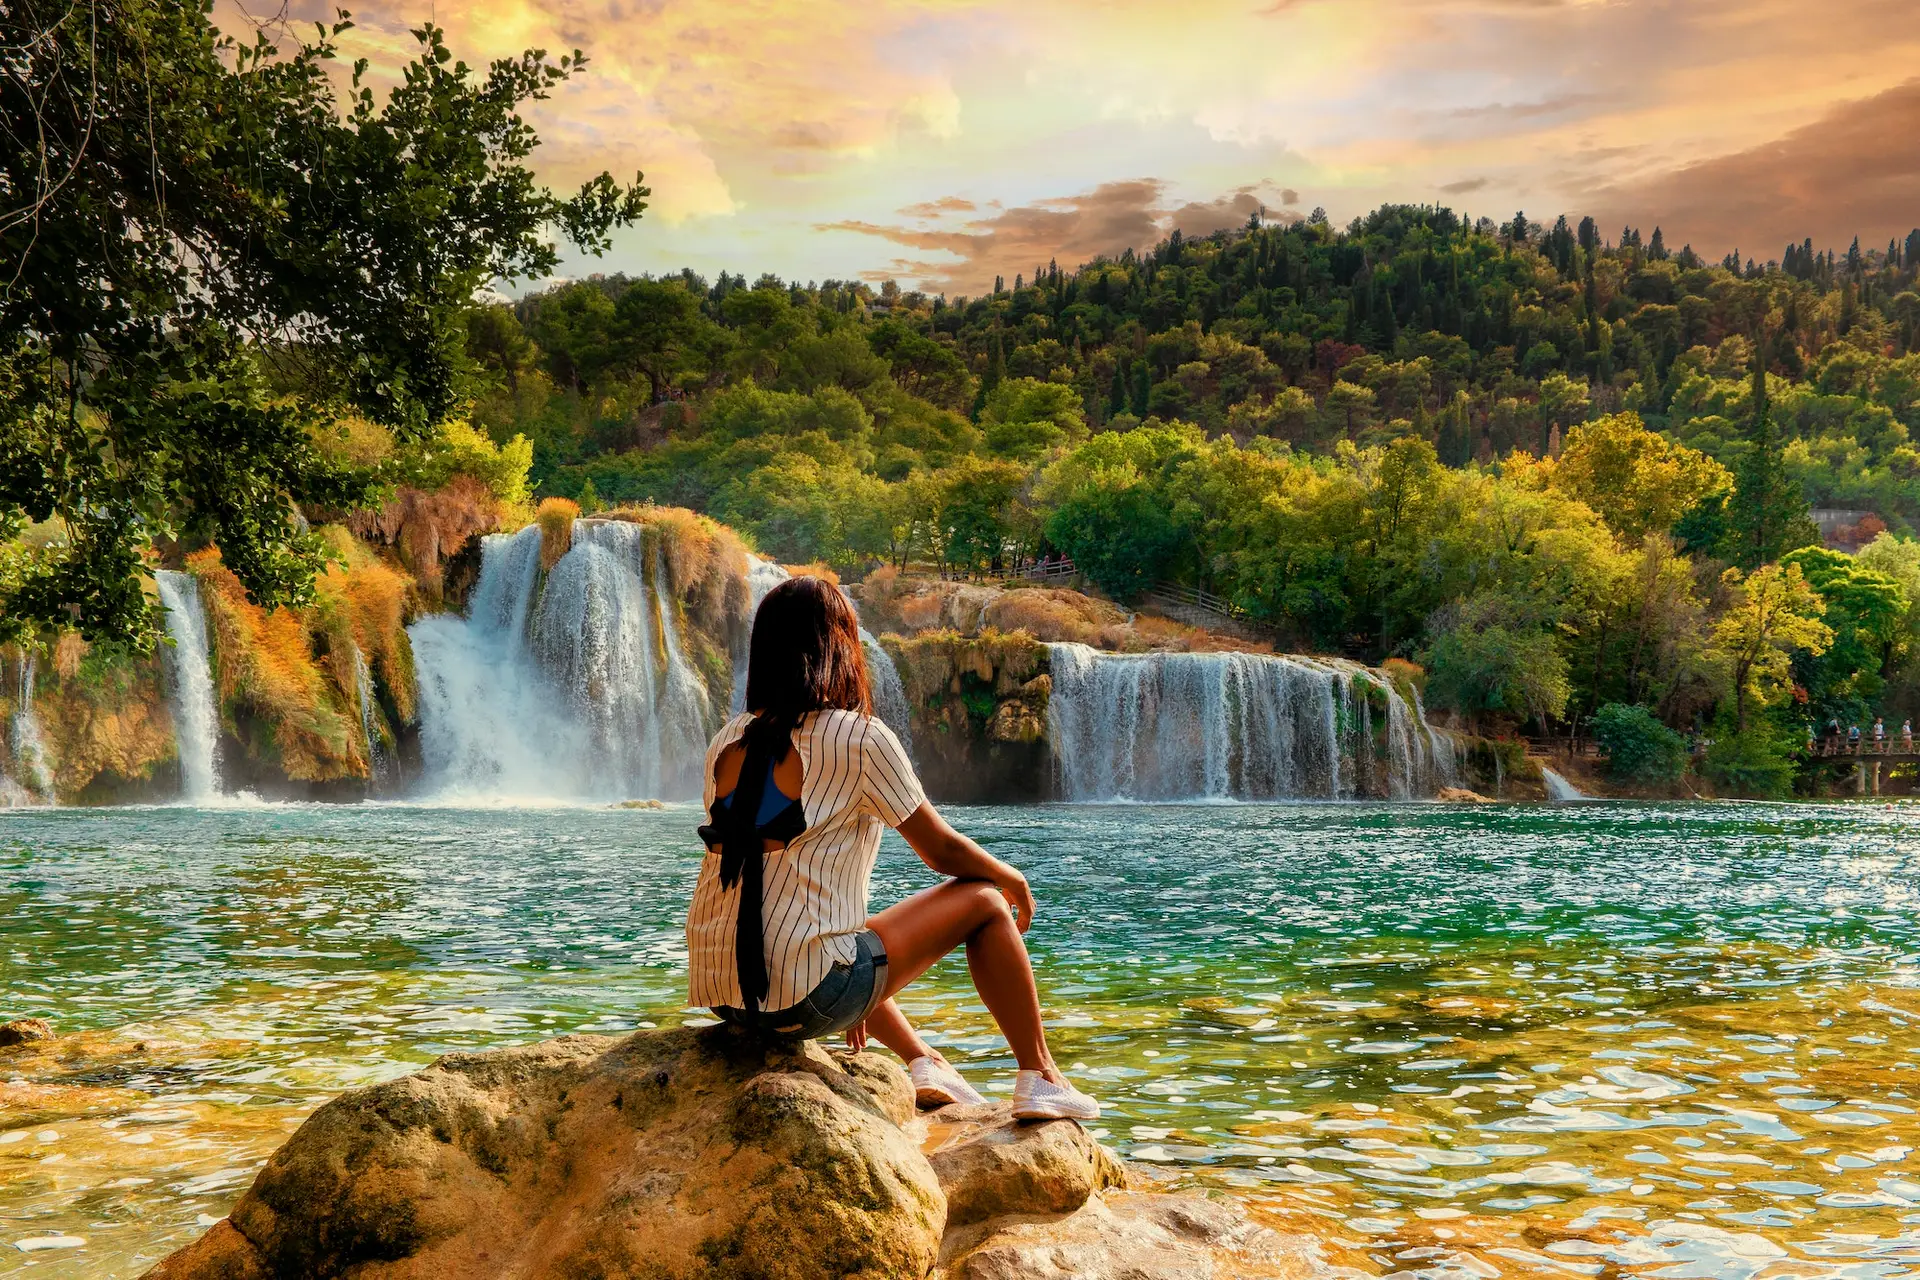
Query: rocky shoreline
pixel 704 1153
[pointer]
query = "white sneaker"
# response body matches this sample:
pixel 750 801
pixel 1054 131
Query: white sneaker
pixel 937 1084
pixel 1037 1098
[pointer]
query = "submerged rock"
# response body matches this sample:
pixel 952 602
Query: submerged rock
pixel 23 1030
pixel 1460 795
pixel 666 1154
pixel 1135 1236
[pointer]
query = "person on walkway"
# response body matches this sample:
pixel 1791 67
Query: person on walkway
pixel 798 790
pixel 1853 739
pixel 1879 736
pixel 1906 736
pixel 1833 736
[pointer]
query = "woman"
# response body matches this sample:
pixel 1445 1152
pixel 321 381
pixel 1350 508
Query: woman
pixel 778 938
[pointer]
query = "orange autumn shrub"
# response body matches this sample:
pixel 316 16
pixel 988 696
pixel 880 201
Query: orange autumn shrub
pixel 274 696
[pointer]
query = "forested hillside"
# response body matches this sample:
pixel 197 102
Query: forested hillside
pixel 1563 471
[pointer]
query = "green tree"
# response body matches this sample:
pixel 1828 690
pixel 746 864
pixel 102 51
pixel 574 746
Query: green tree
pixel 1639 748
pixel 1636 480
pixel 1774 614
pixel 1025 419
pixel 1768 515
pixel 1488 657
pixel 191 207
pixel 652 329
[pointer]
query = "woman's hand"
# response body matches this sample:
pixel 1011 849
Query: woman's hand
pixel 952 854
pixel 1018 895
pixel 857 1036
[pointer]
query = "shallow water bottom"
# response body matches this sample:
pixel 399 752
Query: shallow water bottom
pixel 1595 1040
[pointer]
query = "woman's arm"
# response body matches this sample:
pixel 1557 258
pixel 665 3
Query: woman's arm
pixel 952 854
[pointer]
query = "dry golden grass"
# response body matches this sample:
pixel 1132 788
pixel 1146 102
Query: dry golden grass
pixel 266 673
pixel 365 603
pixel 818 569
pixel 1404 673
pixel 428 528
pixel 555 517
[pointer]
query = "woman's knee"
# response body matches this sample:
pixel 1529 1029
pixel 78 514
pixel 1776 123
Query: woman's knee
pixel 988 904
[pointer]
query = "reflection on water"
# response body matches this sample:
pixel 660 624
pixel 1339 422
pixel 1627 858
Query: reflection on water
pixel 1582 1041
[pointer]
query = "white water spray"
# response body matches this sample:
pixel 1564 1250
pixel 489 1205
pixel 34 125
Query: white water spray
pixel 196 721
pixel 31 779
pixel 1178 726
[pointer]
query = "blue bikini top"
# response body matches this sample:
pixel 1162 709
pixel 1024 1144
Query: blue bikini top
pixel 774 803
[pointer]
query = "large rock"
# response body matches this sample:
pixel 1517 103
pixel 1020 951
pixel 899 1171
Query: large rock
pixel 989 1166
pixel 664 1155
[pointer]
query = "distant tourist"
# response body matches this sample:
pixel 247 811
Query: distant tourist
pixel 1879 736
pixel 778 936
pixel 1853 739
pixel 1833 737
pixel 1906 737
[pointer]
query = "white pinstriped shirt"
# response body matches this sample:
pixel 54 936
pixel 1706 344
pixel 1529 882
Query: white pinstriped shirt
pixel 856 776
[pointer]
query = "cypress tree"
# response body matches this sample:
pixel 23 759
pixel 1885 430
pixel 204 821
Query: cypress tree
pixel 1769 516
pixel 1117 393
pixel 1142 388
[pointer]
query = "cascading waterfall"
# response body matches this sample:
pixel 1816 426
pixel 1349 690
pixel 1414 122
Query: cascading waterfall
pixel 604 631
pixel 889 694
pixel 31 779
pixel 196 721
pixel 491 726
pixel 1176 726
pixel 571 687
pixel 1446 761
pixel 1558 788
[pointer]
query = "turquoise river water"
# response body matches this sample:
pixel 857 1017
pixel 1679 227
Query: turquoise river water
pixel 1578 1040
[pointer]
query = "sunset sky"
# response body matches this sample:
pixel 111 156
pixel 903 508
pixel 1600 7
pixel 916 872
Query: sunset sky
pixel 942 142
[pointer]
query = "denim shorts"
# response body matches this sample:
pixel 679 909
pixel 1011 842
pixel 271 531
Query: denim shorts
pixel 842 999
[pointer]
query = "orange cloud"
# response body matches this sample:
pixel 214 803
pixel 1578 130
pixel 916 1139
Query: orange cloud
pixel 1854 172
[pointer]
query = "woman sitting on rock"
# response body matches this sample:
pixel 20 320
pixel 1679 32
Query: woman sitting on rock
pixel 778 937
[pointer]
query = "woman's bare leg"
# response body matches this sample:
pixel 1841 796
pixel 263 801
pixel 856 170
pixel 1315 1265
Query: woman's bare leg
pixel 974 914
pixel 890 1027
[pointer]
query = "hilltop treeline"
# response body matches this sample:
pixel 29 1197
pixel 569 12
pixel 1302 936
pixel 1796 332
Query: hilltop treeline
pixel 1566 473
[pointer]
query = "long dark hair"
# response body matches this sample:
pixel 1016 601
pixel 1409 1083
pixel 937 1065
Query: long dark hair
pixel 805 656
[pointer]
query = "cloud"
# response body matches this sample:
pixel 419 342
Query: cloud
pixel 1856 171
pixel 1113 217
pixel 1106 221
pixel 939 208
pixel 1463 186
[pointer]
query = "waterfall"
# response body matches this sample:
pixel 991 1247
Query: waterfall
pixel 196 721
pixel 1446 761
pixel 1558 788
pixel 377 764
pixel 1174 726
pixel 574 686
pixel 604 631
pixel 32 780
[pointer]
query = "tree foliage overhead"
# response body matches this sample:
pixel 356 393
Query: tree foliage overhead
pixel 209 254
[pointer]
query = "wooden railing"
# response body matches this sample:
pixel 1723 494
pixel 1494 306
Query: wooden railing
pixel 1179 595
pixel 1047 570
